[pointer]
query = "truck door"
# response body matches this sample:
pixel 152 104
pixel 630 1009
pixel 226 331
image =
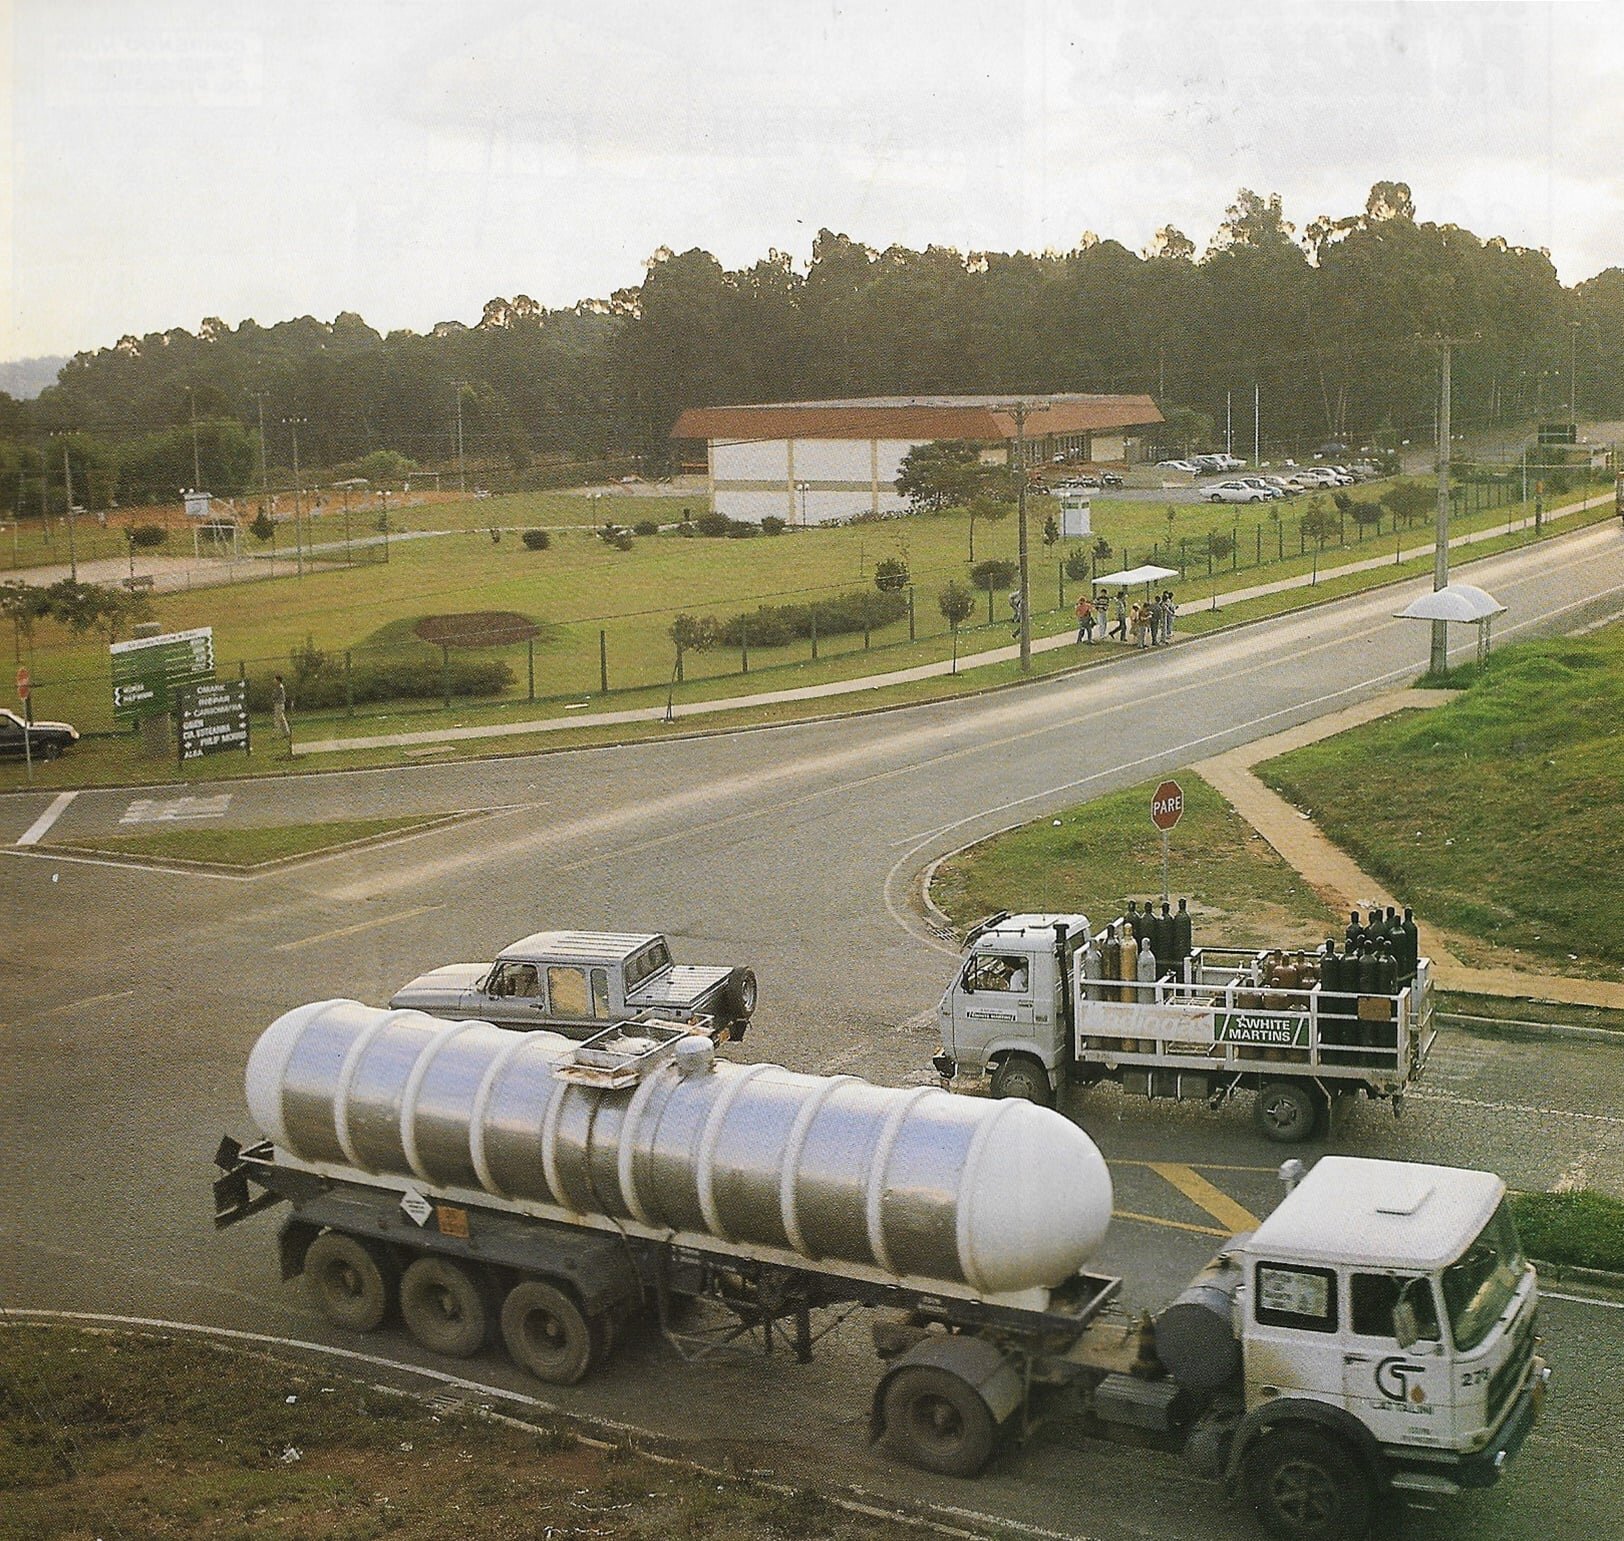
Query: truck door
pixel 511 996
pixel 1292 1346
pixel 1402 1395
pixel 991 1004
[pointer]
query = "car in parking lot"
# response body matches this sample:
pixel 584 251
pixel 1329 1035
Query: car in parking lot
pixel 1234 492
pixel 1263 485
pixel 44 739
pixel 1188 467
pixel 1289 486
pixel 1111 479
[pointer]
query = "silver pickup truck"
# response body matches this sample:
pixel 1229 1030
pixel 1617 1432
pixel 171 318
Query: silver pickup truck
pixel 578 982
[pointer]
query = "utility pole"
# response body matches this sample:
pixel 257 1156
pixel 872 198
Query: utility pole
pixel 298 540
pixel 197 474
pixel 1257 428
pixel 264 475
pixel 1026 574
pixel 1573 372
pixel 1439 660
pixel 462 480
pixel 67 478
pixel 1229 428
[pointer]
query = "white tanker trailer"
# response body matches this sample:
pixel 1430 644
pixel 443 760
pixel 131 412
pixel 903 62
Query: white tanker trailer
pixel 1375 1333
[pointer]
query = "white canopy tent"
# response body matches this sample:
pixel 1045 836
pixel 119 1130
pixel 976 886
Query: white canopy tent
pixel 1132 575
pixel 1457 602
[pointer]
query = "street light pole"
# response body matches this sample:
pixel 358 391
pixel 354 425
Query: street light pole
pixel 1026 572
pixel 462 480
pixel 197 474
pixel 1573 371
pixel 67 479
pixel 298 537
pixel 1439 660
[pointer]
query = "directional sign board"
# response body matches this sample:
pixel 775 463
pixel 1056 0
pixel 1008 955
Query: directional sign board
pixel 1167 805
pixel 213 716
pixel 147 670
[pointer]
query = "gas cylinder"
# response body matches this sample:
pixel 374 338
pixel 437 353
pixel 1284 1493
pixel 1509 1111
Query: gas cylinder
pixel 1149 972
pixel 1133 918
pixel 1165 942
pixel 1182 929
pixel 1412 946
pixel 1128 971
pixel 1355 934
pixel 1110 959
pixel 1091 970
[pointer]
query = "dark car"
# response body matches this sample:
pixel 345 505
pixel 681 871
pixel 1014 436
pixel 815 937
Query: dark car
pixel 45 739
pixel 1110 479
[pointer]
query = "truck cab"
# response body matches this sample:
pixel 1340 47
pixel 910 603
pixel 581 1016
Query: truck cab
pixel 1006 1015
pixel 1384 1310
pixel 579 982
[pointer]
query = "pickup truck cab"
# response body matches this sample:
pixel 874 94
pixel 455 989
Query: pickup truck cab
pixel 578 982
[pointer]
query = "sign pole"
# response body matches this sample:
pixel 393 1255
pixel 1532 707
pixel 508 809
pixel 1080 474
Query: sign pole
pixel 25 687
pixel 1164 867
pixel 1166 809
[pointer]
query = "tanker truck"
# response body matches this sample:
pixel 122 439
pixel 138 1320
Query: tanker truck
pixel 1041 1001
pixel 1375 1335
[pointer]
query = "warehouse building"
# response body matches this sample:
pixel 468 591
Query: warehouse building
pixel 812 462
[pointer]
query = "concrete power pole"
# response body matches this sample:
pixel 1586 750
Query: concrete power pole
pixel 1026 571
pixel 462 480
pixel 67 479
pixel 298 537
pixel 1439 658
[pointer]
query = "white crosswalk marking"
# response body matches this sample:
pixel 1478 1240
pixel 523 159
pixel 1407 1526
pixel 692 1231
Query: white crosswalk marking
pixel 154 810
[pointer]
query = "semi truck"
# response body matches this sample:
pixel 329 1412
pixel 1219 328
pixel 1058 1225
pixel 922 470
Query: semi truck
pixel 1374 1336
pixel 1035 1006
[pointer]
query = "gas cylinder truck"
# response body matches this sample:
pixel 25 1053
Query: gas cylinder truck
pixel 1041 1001
pixel 1374 1335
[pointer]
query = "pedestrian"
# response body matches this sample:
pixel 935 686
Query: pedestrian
pixel 1170 612
pixel 1136 625
pixel 1120 630
pixel 279 709
pixel 1085 620
pixel 1015 613
pixel 1153 618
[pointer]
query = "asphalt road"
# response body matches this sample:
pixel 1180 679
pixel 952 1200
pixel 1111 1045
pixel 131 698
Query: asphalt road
pixel 133 995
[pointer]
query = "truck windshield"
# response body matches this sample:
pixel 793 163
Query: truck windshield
pixel 1479 1286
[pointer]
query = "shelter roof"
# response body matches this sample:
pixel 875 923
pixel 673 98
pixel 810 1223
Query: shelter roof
pixel 1132 575
pixel 1453 602
pixel 977 418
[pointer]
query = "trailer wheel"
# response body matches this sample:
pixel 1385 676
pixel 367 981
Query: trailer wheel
pixel 1022 1076
pixel 443 1306
pixel 1286 1111
pixel 1307 1487
pixel 742 994
pixel 547 1334
pixel 352 1282
pixel 933 1420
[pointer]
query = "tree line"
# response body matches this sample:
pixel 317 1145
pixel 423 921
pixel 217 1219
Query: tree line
pixel 1329 325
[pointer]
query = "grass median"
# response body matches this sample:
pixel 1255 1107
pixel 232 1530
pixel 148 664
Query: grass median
pixel 250 847
pixel 175 1439
pixel 1580 1228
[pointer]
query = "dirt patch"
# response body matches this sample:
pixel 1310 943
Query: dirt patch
pixel 477 628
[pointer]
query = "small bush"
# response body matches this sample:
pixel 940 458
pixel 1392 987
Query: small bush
pixel 713 524
pixel 145 535
pixel 536 540
pixel 1078 566
pixel 646 527
pixel 742 529
pixel 772 525
pixel 779 625
pixel 995 573
pixel 890 574
pixel 406 679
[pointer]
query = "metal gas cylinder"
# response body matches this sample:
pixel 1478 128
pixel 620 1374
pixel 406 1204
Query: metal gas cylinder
pixel 1002 1195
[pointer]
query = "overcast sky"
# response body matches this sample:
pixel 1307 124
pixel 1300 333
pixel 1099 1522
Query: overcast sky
pixel 172 160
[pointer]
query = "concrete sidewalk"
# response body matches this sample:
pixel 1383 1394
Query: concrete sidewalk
pixel 834 688
pixel 1340 881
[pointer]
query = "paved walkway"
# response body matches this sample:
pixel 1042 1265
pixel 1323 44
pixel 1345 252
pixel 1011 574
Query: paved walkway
pixel 1340 881
pixel 832 688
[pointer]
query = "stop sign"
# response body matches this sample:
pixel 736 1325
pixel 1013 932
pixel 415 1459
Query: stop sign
pixel 1167 805
pixel 22 682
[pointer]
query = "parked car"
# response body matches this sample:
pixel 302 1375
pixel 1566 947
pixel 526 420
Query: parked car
pixel 45 739
pixel 1263 485
pixel 1335 477
pixel 1110 479
pixel 1208 464
pixel 1188 467
pixel 1233 492
pixel 1084 482
pixel 1289 486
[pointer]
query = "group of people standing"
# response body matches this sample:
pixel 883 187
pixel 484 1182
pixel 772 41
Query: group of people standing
pixel 1149 624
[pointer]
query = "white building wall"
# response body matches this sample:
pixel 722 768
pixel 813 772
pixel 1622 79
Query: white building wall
pixel 844 477
pixel 750 461
pixel 832 460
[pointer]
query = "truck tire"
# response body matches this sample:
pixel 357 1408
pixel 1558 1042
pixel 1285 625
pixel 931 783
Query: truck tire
pixel 742 995
pixel 444 1307
pixel 934 1421
pixel 1306 1486
pixel 547 1334
pixel 1287 1112
pixel 352 1282
pixel 1019 1075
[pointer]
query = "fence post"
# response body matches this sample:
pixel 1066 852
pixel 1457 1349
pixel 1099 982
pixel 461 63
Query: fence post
pixel 865 631
pixel 814 631
pixel 1184 541
pixel 445 676
pixel 744 649
pixel 349 686
pixel 989 604
pixel 530 664
pixel 1259 561
pixel 1280 541
pixel 1060 569
pixel 242 669
pixel 911 636
pixel 603 662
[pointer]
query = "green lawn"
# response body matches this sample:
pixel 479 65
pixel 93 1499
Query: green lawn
pixel 1097 856
pixel 1580 1227
pixel 1499 812
pixel 249 847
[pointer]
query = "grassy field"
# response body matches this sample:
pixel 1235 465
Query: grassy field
pixel 1580 1227
pixel 174 1439
pixel 249 847
pixel 1096 857
pixel 1498 813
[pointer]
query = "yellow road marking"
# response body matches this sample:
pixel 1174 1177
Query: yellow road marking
pixel 1200 1192
pixel 89 1000
pixel 1202 1166
pixel 363 925
pixel 1175 1225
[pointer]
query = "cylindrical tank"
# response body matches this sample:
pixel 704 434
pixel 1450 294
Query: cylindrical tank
pixel 1129 966
pixel 1195 1335
pixel 999 1195
pixel 1182 938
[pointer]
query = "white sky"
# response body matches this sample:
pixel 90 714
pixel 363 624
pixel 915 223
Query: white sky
pixel 171 160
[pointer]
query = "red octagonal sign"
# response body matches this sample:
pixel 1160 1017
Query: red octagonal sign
pixel 1167 805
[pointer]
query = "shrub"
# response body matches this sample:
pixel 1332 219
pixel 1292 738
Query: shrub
pixel 1219 544
pixel 772 525
pixel 646 527
pixel 262 528
pixel 1365 513
pixel 145 535
pixel 890 574
pixel 711 523
pixel 536 540
pixel 742 529
pixel 956 604
pixel 779 625
pixel 1078 566
pixel 995 573
pixel 406 679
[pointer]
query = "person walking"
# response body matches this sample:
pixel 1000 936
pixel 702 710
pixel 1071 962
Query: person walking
pixel 1136 625
pixel 1085 620
pixel 1120 630
pixel 1015 614
pixel 279 710
pixel 1170 612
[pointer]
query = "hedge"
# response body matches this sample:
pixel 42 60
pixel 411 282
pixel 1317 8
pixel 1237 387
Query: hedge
pixel 779 625
pixel 414 679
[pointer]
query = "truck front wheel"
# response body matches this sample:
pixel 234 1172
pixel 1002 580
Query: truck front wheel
pixel 1286 1111
pixel 352 1282
pixel 1306 1486
pixel 1022 1076
pixel 933 1420
pixel 547 1334
pixel 443 1306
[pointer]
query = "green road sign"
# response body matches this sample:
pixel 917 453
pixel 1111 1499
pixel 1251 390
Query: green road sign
pixel 213 716
pixel 147 670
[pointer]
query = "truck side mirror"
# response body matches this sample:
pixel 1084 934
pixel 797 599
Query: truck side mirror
pixel 1406 1324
